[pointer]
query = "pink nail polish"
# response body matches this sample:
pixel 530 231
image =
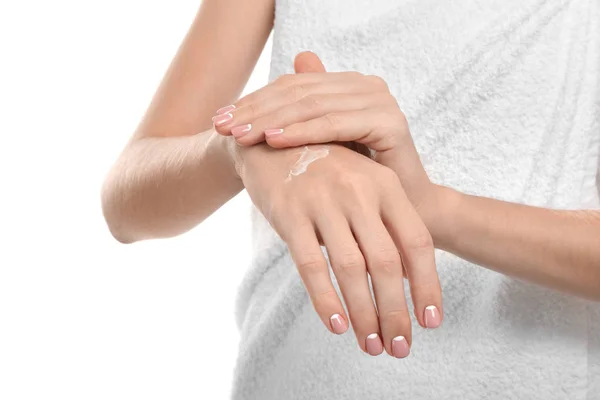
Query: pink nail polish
pixel 241 130
pixel 225 109
pixel 273 132
pixel 338 324
pixel 374 345
pixel 400 347
pixel 432 317
pixel 219 120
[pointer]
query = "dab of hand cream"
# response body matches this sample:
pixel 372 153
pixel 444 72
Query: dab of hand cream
pixel 307 157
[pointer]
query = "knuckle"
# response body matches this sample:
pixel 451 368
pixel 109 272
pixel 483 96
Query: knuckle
pixel 332 120
pixel 363 316
pixel 388 175
pixel 279 203
pixel 387 131
pixel 253 110
pixel 388 182
pixel 295 92
pixel 386 262
pixel 273 212
pixel 312 102
pixel 377 82
pixel 389 98
pixel 420 242
pixel 429 290
pixel 311 263
pixel 351 263
pixel 394 313
pixel 401 117
pixel 355 74
pixel 388 120
pixel 284 80
pixel 274 217
pixel 285 215
pixel 323 299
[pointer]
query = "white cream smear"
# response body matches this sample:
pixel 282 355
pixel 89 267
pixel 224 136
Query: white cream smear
pixel 307 157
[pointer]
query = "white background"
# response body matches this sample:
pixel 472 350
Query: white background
pixel 81 315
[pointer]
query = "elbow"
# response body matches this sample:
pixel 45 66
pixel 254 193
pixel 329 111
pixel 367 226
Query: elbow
pixel 113 207
pixel 119 236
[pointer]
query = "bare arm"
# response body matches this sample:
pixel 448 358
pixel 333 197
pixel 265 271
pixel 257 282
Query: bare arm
pixel 174 172
pixel 559 249
pixel 555 248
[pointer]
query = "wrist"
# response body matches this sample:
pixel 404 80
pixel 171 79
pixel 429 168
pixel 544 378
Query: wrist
pixel 233 153
pixel 257 157
pixel 440 212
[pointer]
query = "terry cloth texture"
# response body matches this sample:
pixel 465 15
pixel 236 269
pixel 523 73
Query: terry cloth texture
pixel 503 101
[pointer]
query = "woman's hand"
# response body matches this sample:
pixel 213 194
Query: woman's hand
pixel 357 208
pixel 314 106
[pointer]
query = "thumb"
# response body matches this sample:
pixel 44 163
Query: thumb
pixel 307 61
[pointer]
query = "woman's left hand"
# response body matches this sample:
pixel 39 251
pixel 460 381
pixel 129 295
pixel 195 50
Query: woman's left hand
pixel 314 106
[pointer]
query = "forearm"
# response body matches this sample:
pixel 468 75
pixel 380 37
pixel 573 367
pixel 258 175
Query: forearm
pixel 555 248
pixel 164 186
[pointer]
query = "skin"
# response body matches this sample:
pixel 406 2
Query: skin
pixel 359 211
pixel 558 249
pixel 176 170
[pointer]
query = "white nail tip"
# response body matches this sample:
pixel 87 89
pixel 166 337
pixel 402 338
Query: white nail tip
pixel 373 336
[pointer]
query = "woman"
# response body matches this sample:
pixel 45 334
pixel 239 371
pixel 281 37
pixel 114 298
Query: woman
pixel 482 122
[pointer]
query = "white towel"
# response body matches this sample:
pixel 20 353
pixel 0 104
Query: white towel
pixel 503 100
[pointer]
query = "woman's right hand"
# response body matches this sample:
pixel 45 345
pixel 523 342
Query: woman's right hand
pixel 356 208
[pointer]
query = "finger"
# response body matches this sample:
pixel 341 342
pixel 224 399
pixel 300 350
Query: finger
pixel 385 267
pixel 314 272
pixel 307 61
pixel 416 247
pixel 224 114
pixel 378 128
pixel 235 120
pixel 350 270
pixel 310 107
pixel 287 80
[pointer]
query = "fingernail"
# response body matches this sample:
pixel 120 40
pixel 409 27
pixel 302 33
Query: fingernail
pixel 338 324
pixel 273 132
pixel 225 109
pixel 374 345
pixel 239 131
pixel 221 119
pixel 400 347
pixel 432 317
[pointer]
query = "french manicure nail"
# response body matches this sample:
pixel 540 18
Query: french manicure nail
pixel 432 317
pixel 400 347
pixel 374 345
pixel 241 130
pixel 219 120
pixel 225 109
pixel 273 132
pixel 338 324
